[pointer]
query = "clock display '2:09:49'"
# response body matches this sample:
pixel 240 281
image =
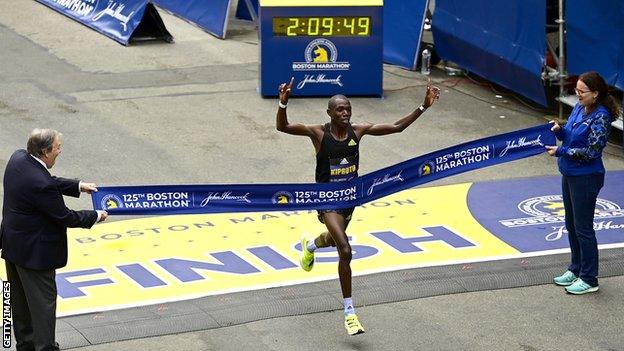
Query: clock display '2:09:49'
pixel 322 26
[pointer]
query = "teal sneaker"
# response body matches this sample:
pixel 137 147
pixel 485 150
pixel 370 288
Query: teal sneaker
pixel 307 257
pixel 579 287
pixel 565 279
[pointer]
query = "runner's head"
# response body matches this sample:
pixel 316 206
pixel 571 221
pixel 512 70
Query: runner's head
pixel 339 110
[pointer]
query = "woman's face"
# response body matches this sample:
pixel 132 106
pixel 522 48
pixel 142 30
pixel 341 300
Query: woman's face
pixel 585 96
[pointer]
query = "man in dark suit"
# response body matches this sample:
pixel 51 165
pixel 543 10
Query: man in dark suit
pixel 34 236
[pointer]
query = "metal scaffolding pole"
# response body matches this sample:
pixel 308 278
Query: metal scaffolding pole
pixel 561 64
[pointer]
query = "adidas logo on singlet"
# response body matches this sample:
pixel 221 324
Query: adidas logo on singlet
pixel 344 162
pixel 352 143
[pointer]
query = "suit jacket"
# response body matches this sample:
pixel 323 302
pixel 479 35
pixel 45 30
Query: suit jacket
pixel 34 216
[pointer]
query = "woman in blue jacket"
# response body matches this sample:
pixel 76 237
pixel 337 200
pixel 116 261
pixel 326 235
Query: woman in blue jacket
pixel 580 162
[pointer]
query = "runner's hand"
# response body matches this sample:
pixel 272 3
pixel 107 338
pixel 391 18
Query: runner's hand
pixel 433 94
pixel 284 91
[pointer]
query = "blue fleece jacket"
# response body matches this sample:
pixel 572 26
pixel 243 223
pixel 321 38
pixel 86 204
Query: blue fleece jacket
pixel 583 138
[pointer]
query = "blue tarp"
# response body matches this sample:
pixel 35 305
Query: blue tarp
pixel 242 12
pixel 402 31
pixel 502 41
pixel 115 19
pixel 209 15
pixel 595 38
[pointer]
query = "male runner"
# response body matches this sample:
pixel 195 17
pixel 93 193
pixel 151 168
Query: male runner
pixel 337 159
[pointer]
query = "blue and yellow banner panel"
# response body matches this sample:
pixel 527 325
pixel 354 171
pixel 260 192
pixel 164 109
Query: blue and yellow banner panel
pixel 162 259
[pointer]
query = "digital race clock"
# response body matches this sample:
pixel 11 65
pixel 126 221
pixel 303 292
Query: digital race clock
pixel 329 46
pixel 322 26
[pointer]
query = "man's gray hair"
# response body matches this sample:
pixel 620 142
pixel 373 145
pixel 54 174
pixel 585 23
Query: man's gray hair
pixel 41 141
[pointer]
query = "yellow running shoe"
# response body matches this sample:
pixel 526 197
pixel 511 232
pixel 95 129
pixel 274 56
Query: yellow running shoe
pixel 353 325
pixel 307 257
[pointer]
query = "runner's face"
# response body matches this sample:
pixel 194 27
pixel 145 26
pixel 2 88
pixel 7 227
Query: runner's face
pixel 340 112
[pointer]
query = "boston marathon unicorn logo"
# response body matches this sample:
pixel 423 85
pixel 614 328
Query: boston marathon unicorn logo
pixel 547 211
pixel 426 168
pixel 111 204
pixel 543 206
pixel 321 55
pixel 321 50
pixel 551 206
pixel 282 198
pixel 111 201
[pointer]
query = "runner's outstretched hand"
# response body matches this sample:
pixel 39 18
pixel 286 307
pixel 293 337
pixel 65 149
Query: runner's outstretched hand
pixel 284 91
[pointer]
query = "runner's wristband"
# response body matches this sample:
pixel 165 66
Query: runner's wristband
pixel 279 103
pixel 422 108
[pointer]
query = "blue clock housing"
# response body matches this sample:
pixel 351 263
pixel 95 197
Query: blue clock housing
pixel 331 49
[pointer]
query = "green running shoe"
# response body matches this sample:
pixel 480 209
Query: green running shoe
pixel 565 279
pixel 579 287
pixel 353 325
pixel 307 257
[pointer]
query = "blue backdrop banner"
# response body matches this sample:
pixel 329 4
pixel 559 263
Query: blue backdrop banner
pixel 209 15
pixel 402 31
pixel 117 19
pixel 181 199
pixel 595 38
pixel 242 9
pixel 502 41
